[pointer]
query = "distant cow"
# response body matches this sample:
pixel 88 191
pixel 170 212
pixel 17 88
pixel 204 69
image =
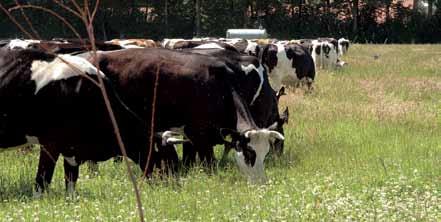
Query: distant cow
pixel 302 62
pixel 60 46
pixel 324 54
pixel 133 43
pixel 287 60
pixel 254 88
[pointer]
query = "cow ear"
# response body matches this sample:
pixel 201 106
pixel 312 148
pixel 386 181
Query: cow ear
pixel 229 135
pixel 284 117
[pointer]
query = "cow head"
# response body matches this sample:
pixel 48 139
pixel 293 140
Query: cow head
pixel 269 56
pixel 251 148
pixel 251 143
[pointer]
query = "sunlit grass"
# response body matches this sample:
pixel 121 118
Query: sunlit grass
pixel 364 146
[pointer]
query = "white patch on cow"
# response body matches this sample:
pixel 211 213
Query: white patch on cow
pixel 71 161
pixel 251 48
pixel 324 60
pixel 45 72
pixel 249 68
pixel 170 43
pixel 260 71
pixel 209 46
pixel 174 136
pixel 231 41
pixel 260 142
pixel 129 44
pixel 22 44
pixel 342 50
pixel 283 68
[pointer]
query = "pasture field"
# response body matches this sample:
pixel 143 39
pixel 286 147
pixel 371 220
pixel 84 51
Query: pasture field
pixel 364 146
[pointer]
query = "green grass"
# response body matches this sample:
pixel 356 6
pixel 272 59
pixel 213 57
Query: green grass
pixel 364 146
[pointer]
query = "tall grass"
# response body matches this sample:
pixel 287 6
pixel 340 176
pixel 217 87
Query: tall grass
pixel 365 146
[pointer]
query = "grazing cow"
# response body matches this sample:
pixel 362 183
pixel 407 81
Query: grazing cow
pixel 343 46
pixel 302 62
pixel 254 88
pixel 324 54
pixel 281 65
pixel 199 128
pixel 60 46
pixel 167 159
pixel 195 91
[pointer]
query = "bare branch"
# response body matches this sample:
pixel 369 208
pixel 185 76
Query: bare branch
pixel 68 9
pixel 52 13
pixel 152 120
pixel 15 21
pixel 87 19
pixel 86 9
pixel 78 8
pixel 95 9
pixel 27 20
pixel 90 32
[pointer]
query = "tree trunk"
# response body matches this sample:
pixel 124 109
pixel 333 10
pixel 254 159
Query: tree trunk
pixel 147 10
pixel 166 18
pixel 354 16
pixel 415 5
pixel 198 17
pixel 430 9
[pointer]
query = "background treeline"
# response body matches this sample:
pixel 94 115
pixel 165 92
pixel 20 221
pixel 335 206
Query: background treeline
pixel 376 21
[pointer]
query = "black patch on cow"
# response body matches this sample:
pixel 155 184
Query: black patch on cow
pixel 269 56
pixel 326 50
pixel 318 50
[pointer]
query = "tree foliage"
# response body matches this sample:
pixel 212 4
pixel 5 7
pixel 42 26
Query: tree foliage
pixel 375 21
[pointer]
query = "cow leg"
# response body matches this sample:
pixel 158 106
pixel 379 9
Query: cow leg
pixel 71 172
pixel 206 154
pixel 171 159
pixel 46 165
pixel 93 167
pixel 142 159
pixel 188 155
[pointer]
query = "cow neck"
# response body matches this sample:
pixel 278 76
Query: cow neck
pixel 245 121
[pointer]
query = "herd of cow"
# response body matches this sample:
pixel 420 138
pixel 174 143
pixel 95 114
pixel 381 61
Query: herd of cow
pixel 201 92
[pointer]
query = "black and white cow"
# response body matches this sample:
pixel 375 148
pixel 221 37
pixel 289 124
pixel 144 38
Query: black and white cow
pixel 324 54
pixel 196 91
pixel 254 88
pixel 302 62
pixel 287 60
pixel 343 46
